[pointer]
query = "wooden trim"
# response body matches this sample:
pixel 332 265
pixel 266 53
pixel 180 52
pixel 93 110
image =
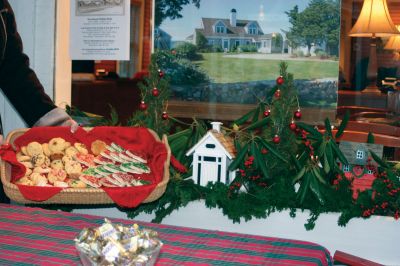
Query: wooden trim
pixel 362 137
pixel 230 112
pixel 140 5
pixel 348 259
pixel 63 64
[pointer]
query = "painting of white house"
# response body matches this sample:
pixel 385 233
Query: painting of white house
pixel 228 51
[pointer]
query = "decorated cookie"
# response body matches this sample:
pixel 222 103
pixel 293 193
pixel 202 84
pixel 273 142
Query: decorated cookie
pixel 56 175
pixel 90 180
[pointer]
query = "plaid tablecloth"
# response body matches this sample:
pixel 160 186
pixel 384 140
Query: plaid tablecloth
pixel 33 236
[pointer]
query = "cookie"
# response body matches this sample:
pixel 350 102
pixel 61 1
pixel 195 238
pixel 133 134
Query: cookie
pixel 98 146
pixel 22 157
pixel 38 179
pixel 24 151
pixel 46 150
pixel 57 145
pixel 81 148
pixel 73 169
pixel 60 184
pixel 57 164
pixel 28 171
pixel 34 148
pixel 67 144
pixel 56 175
pixel 66 158
pixel 24 181
pixel 27 164
pixel 77 184
pixel 39 160
pixel 71 151
pixel 41 170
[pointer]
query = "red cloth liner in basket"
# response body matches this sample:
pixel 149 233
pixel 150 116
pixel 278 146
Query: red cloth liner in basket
pixel 136 139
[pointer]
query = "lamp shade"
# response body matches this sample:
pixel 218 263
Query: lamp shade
pixel 394 42
pixel 374 21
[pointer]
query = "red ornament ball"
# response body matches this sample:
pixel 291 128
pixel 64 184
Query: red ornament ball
pixel 155 92
pixel 297 114
pixel 280 80
pixel 164 116
pixel 278 93
pixel 267 112
pixel 292 126
pixel 276 139
pixel 160 73
pixel 142 106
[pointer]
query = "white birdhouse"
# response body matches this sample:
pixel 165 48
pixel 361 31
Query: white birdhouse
pixel 212 156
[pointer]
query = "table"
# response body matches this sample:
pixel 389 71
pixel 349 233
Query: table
pixel 34 236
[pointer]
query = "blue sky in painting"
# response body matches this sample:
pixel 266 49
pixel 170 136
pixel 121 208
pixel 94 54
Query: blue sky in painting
pixel 274 20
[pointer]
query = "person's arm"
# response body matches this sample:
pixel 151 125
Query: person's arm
pixel 20 83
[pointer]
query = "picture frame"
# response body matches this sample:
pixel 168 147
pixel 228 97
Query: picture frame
pixel 223 56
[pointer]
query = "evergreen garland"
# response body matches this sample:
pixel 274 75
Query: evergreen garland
pixel 282 163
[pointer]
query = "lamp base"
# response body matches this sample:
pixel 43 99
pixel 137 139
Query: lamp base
pixel 372 89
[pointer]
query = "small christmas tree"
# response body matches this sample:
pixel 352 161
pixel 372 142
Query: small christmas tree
pixel 155 93
pixel 265 145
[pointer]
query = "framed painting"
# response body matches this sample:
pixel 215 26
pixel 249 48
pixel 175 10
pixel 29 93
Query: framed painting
pixel 223 55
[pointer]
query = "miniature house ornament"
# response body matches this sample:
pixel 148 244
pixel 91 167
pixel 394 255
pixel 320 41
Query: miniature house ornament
pixel 212 156
pixel 361 166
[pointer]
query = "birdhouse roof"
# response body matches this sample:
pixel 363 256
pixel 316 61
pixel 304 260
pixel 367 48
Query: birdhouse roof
pixel 226 143
pixel 349 150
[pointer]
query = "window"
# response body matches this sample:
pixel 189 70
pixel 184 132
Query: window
pixel 210 146
pixel 360 154
pixel 253 30
pixel 370 172
pixel 346 168
pixel 219 29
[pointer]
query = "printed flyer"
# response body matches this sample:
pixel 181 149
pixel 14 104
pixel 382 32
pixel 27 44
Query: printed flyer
pixel 100 30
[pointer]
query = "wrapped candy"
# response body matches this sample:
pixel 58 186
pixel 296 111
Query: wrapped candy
pixel 115 244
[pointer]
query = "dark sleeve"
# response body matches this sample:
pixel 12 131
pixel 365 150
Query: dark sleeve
pixel 17 80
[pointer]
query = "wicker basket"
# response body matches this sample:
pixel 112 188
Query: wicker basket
pixel 76 195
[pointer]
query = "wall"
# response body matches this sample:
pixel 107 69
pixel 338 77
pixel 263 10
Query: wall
pixel 35 20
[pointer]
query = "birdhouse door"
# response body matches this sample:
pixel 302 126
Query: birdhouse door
pixel 210 170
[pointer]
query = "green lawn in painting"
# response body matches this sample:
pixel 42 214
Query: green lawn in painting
pixel 225 69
